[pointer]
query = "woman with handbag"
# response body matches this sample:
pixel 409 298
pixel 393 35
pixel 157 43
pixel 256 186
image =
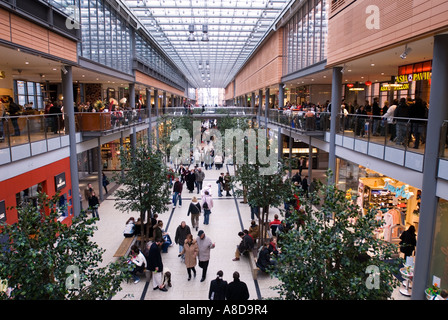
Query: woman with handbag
pixel 195 210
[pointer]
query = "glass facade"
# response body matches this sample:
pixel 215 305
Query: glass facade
pixel 305 36
pixel 106 37
pixel 153 58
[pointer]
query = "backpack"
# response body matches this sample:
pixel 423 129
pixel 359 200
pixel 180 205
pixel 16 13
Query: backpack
pixel 205 206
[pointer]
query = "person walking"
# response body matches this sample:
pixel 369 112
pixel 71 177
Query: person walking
pixel 389 116
pixel 105 182
pixel 190 250
pixel 195 210
pixel 218 287
pixel 181 234
pixel 237 289
pixel 177 192
pixel 220 183
pixel 402 113
pixel 94 204
pixel 207 205
pixel 200 176
pixel 408 241
pixel 190 179
pixel 155 265
pixel 227 181
pixel 205 244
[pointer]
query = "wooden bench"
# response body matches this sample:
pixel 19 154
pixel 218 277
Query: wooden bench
pixel 125 246
pixel 252 262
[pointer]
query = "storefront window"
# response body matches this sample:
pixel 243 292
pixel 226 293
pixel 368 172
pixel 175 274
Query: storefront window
pixel 439 263
pixel 28 94
pixel 395 202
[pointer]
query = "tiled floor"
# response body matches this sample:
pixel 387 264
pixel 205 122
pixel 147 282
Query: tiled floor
pixel 223 230
pixel 224 226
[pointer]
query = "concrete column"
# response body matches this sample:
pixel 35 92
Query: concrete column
pixel 280 144
pixel 310 160
pixel 336 101
pixel 148 106
pixel 428 207
pixel 266 109
pixel 281 95
pixel 100 171
pixel 69 109
pixel 252 100
pixel 132 95
pixel 156 101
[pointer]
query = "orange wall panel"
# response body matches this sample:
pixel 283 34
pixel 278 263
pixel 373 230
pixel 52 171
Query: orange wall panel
pixel 30 35
pixel 400 20
pixel 10 187
pixel 264 68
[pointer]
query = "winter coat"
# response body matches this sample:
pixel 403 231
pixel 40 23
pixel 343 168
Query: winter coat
pixel 154 258
pixel 181 234
pixel 237 290
pixel 191 252
pixel 204 246
pixel 194 208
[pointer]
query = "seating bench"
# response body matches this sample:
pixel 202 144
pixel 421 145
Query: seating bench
pixel 253 263
pixel 125 246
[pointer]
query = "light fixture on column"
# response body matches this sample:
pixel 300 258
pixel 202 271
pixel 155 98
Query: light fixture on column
pixel 204 33
pixel 191 30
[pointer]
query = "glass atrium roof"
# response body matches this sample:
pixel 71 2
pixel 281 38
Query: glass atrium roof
pixel 233 29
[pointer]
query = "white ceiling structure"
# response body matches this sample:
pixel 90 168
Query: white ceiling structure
pixel 234 28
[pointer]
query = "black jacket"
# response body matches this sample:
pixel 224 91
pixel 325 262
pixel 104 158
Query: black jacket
pixel 181 234
pixel 237 290
pixel 194 208
pixel 217 290
pixel 154 258
pixel 177 186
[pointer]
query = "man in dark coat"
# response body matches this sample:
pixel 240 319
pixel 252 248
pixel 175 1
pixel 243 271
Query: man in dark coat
pixel 247 244
pixel 237 289
pixel 155 265
pixel 218 288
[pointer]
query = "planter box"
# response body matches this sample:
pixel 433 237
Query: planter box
pixel 94 121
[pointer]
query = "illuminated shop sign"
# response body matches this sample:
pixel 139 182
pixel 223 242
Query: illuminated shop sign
pixel 413 77
pixel 59 181
pixel 414 72
pixel 401 86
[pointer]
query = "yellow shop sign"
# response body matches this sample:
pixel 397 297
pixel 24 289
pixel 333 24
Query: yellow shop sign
pixel 413 77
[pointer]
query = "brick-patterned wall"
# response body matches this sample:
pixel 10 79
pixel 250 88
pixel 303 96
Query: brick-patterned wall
pixel 348 35
pixel 263 69
pixel 22 32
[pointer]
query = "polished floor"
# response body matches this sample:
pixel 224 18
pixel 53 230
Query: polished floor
pixel 228 217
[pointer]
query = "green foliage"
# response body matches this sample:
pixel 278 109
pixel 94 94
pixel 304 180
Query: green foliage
pixel 145 182
pixel 328 256
pixel 41 251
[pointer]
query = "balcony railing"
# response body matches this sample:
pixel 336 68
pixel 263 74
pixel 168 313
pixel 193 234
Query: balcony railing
pixel 314 122
pixel 402 133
